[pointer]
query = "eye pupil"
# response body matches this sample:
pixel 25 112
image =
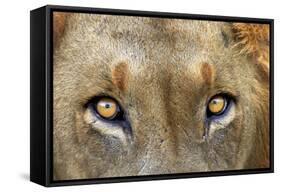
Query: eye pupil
pixel 217 105
pixel 106 108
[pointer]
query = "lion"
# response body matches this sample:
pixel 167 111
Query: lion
pixel 147 96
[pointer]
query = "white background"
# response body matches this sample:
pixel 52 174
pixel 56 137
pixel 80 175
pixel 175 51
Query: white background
pixel 14 94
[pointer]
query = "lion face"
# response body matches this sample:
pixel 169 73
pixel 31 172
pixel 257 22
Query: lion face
pixel 145 96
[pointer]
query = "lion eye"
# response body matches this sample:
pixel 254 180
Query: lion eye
pixel 107 108
pixel 217 105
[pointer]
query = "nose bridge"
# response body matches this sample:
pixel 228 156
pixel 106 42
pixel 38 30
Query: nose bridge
pixel 160 114
pixel 159 155
pixel 160 149
pixel 159 128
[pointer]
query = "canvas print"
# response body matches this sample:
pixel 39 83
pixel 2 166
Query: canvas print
pixel 138 96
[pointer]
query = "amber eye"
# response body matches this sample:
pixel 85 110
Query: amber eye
pixel 107 108
pixel 217 105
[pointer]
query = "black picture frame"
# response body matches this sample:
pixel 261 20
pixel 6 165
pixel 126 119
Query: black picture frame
pixel 41 51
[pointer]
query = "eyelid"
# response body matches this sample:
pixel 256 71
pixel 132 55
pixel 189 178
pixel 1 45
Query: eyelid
pixel 120 128
pixel 101 95
pixel 105 128
pixel 234 95
pixel 215 123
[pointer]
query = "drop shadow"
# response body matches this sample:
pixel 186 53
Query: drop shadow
pixel 24 176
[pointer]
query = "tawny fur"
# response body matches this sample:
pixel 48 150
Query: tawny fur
pixel 120 76
pixel 253 39
pixel 162 72
pixel 59 20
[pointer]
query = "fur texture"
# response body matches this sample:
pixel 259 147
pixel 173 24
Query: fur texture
pixel 253 39
pixel 162 72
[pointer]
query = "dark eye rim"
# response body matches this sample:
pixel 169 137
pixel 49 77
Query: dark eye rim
pixel 92 105
pixel 227 98
pixel 121 118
